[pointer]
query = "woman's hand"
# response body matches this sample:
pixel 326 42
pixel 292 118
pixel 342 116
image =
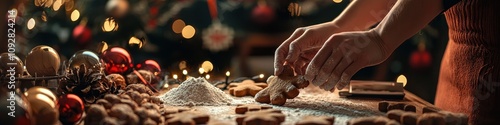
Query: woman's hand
pixel 299 49
pixel 342 55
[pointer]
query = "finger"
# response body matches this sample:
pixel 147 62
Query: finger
pixel 335 75
pixel 296 47
pixel 321 57
pixel 282 51
pixel 345 79
pixel 327 68
pixel 301 63
pixel 279 59
pixel 343 82
pixel 316 63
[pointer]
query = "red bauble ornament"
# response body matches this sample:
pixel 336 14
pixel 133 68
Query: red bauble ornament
pixel 70 108
pixel 150 65
pixel 263 14
pixel 82 34
pixel 420 60
pixel 117 60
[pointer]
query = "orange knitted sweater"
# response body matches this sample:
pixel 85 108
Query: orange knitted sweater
pixel 469 79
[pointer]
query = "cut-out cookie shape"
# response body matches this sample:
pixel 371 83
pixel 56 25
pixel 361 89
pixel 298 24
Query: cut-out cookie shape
pixel 262 117
pixel 316 120
pixel 242 109
pixel 282 87
pixel 219 122
pixel 372 120
pixel 246 87
pixel 187 118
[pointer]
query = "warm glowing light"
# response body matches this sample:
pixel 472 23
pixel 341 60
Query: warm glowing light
pixel 207 76
pixel 294 9
pixel 337 1
pixel 402 79
pixel 207 66
pixel 135 40
pixel 109 25
pixel 178 25
pixel 201 70
pixel 75 15
pixel 44 16
pixel 165 86
pixel 175 76
pixel 103 46
pixel 185 72
pixel 31 23
pixel 261 76
pixel 57 4
pixel 228 73
pixel 188 32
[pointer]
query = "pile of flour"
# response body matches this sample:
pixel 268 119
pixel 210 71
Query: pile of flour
pixel 196 92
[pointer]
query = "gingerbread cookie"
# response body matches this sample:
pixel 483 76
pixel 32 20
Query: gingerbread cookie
pixel 454 118
pixel 246 87
pixel 243 108
pixel 282 87
pixel 316 120
pixel 187 118
pixel 410 108
pixel 373 120
pixel 393 106
pixel 382 106
pixel 385 106
pixel 431 119
pixel 409 118
pixel 429 109
pixel 262 117
pixel 172 110
pixel 395 114
pixel 219 122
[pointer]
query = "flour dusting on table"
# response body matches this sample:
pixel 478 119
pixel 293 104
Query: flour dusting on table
pixel 196 92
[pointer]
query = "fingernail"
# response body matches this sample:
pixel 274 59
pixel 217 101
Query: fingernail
pixel 329 86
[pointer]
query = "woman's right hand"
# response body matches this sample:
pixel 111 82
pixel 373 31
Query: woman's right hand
pixel 299 49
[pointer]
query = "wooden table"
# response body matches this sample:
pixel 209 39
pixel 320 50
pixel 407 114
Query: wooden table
pixel 314 101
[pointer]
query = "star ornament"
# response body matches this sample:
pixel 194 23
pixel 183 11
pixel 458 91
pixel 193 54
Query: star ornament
pixel 218 37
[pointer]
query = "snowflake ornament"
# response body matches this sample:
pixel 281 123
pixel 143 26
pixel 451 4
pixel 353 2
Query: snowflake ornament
pixel 218 37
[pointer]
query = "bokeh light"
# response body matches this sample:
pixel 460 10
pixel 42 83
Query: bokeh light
pixel 31 23
pixel 402 79
pixel 337 1
pixel 135 41
pixel 188 32
pixel 207 66
pixel 178 25
pixel 109 25
pixel 57 5
pixel 75 15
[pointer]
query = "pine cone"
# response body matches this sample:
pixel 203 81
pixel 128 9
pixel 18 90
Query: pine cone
pixel 87 84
